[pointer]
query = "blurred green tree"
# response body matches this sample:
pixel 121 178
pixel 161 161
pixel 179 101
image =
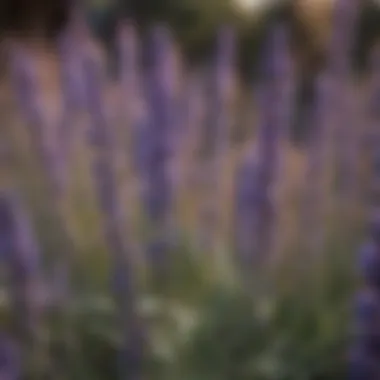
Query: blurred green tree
pixel 194 23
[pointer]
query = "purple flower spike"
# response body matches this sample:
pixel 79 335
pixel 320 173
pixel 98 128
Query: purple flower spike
pixel 275 63
pixel 272 128
pixel 217 134
pixel 362 366
pixel 344 22
pixel 51 159
pixel 10 363
pixel 158 193
pixel 374 102
pixel 20 254
pixel 367 313
pixel 367 341
pixel 374 226
pixel 245 208
pixel 73 96
pixel 129 56
pixel 27 95
pixel 123 282
pixel 370 263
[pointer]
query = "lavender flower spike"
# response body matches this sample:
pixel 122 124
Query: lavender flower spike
pixel 245 205
pixel 367 316
pixel 123 284
pixel 271 130
pixel 344 21
pixel 49 158
pixel 20 254
pixel 132 113
pixel 129 63
pixel 316 180
pixel 27 93
pixel 131 97
pixel 339 66
pixel 158 194
pixel 223 88
pixel 365 359
pixel 72 88
pixel 10 363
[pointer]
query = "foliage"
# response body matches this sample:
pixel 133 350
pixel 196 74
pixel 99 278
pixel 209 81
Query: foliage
pixel 298 332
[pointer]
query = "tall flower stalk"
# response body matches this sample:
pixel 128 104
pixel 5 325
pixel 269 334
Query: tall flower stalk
pixel 339 67
pixel 245 205
pixel 192 121
pixel 54 185
pixel 313 209
pixel 72 89
pixel 223 91
pixel 131 356
pixel 129 58
pixel 158 191
pixel 272 129
pixel 132 115
pixel 365 355
pixel 21 256
pixel 332 130
pixel 373 115
pixel 11 367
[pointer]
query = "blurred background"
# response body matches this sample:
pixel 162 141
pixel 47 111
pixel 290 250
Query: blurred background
pixel 194 22
pixel 270 140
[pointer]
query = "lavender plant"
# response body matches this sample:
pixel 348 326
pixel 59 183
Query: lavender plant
pixel 129 58
pixel 133 114
pixel 343 31
pixel 49 158
pixel 332 131
pixel 365 357
pixel 272 128
pixel 72 89
pixel 192 118
pixel 21 258
pixel 10 365
pixel 158 192
pixel 131 358
pixel 316 179
pixel 244 211
pixel 223 88
pixel 372 113
pixel 344 22
pixel 365 353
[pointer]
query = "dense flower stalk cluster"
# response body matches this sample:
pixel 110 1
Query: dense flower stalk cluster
pixel 164 117
pixel 331 128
